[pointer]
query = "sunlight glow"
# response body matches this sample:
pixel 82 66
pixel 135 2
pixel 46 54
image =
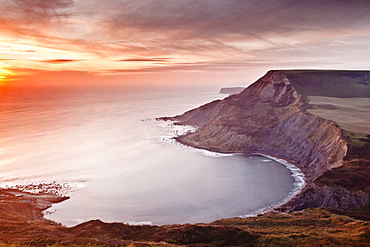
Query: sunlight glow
pixel 65 42
pixel 5 74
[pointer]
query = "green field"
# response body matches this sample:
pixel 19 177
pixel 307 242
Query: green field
pixel 330 83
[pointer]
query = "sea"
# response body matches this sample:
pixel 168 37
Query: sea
pixel 104 149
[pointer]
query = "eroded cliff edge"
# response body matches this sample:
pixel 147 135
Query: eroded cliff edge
pixel 269 117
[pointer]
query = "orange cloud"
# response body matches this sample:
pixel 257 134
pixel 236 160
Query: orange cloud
pixel 182 36
pixel 56 61
pixel 144 60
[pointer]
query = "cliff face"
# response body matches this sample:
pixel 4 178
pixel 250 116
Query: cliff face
pixel 267 117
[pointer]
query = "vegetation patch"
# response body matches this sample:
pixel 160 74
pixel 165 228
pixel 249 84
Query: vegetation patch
pixel 330 83
pixel 358 145
pixel 353 175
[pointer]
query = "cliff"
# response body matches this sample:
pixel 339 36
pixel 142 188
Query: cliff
pixel 270 117
pixel 267 117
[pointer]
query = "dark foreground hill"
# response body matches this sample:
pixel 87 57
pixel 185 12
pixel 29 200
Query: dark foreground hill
pixel 295 115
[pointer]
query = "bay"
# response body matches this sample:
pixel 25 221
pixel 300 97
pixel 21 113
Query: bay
pixel 118 169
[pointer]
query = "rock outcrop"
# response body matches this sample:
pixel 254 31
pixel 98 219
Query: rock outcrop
pixel 267 117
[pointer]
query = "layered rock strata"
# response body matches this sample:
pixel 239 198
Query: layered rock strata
pixel 268 117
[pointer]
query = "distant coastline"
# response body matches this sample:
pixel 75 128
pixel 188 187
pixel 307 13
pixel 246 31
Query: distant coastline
pixel 231 90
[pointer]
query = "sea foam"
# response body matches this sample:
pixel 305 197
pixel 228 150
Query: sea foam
pixel 297 174
pixel 55 188
pixel 179 130
pixel 299 184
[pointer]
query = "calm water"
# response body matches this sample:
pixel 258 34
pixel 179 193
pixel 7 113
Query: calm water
pixel 97 142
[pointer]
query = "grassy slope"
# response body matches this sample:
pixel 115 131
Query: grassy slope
pixel 330 83
pixel 310 227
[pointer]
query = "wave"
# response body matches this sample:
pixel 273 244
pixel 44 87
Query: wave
pixel 297 174
pixel 55 188
pixel 179 130
pixel 299 184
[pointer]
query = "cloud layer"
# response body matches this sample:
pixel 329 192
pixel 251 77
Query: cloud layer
pixel 151 35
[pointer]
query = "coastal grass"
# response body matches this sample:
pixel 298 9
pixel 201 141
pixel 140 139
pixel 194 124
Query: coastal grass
pixel 357 139
pixel 358 145
pixel 309 227
pixel 330 83
pixel 351 114
pixel 353 176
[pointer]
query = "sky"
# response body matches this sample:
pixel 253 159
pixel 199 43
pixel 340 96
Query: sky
pixel 177 42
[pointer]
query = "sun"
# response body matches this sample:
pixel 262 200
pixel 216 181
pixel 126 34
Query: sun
pixel 5 74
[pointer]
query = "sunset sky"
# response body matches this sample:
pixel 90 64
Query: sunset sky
pixel 224 42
